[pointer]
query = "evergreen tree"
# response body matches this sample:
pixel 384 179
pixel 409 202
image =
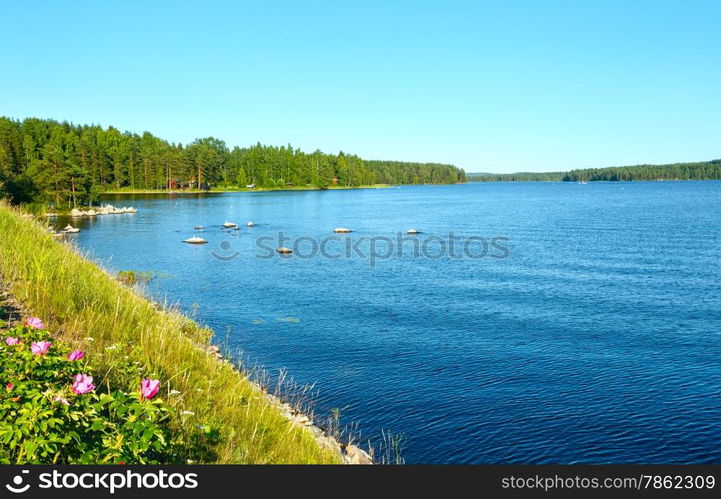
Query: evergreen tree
pixel 69 165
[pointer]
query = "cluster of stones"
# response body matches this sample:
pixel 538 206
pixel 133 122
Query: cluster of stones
pixel 351 454
pixel 103 210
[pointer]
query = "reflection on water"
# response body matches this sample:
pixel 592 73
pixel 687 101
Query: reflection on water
pixel 596 340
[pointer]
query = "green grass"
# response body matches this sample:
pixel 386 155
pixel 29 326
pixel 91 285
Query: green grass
pixel 79 300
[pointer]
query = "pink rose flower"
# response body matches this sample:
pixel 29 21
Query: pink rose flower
pixel 9 387
pixel 40 348
pixel 76 355
pixel 11 341
pixel 34 322
pixel 149 388
pixel 83 384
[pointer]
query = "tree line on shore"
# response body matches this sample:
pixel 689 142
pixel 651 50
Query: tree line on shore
pixel 60 163
pixel 703 170
pixel 516 177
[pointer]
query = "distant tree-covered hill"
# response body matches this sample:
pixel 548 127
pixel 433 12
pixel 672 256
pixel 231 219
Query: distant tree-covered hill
pixel 66 164
pixel 705 170
pixel 516 177
pixel 401 172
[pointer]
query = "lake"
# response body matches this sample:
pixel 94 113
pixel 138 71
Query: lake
pixel 588 332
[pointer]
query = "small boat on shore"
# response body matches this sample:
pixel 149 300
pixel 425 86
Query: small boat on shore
pixel 284 251
pixel 199 227
pixel 413 231
pixel 342 230
pixel 229 225
pixel 251 224
pixel 69 229
pixel 195 240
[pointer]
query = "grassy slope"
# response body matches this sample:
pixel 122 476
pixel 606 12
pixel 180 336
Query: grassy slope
pixel 80 300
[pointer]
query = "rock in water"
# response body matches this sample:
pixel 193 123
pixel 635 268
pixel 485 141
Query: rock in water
pixel 195 240
pixel 358 455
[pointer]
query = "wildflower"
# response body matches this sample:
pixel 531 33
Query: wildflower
pixel 40 348
pixel 11 341
pixel 76 355
pixel 89 338
pixel 149 388
pixel 83 384
pixel 60 399
pixel 187 413
pixel 34 322
pixel 111 347
pixel 174 392
pixel 9 387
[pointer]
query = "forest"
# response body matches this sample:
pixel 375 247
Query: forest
pixel 516 177
pixel 66 165
pixel 704 170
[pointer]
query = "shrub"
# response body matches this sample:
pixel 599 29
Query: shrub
pixel 52 412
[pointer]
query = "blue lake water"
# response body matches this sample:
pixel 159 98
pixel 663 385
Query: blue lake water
pixel 597 340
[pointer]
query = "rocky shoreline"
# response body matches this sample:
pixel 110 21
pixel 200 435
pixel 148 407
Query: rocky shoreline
pixel 11 311
pixel 349 453
pixel 107 209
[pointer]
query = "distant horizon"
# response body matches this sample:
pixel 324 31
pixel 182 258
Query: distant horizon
pixel 590 167
pixel 486 86
pixel 468 172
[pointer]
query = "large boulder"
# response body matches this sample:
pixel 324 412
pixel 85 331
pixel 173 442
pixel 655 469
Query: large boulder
pixel 356 455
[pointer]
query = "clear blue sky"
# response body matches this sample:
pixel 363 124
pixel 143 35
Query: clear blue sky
pixel 490 86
